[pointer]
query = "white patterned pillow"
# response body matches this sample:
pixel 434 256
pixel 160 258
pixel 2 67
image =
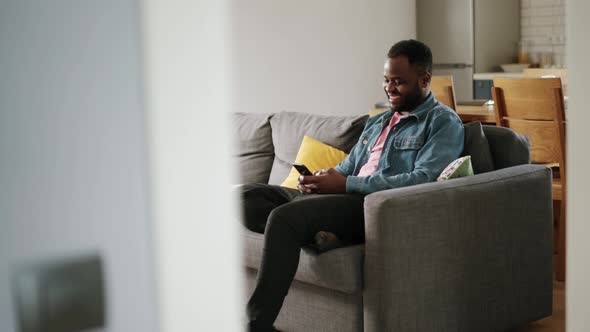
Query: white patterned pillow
pixel 456 169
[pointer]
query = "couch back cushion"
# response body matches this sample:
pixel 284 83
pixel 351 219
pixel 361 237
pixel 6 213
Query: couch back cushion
pixel 477 146
pixel 254 149
pixel 508 147
pixel 288 129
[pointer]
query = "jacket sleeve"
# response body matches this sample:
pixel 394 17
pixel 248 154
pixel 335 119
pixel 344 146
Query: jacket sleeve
pixel 443 144
pixel 346 166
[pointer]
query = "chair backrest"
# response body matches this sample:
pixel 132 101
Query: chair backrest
pixel 533 107
pixel 442 88
pixel 547 73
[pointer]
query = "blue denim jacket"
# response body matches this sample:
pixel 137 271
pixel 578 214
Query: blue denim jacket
pixel 416 150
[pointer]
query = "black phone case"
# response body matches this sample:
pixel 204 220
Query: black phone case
pixel 302 169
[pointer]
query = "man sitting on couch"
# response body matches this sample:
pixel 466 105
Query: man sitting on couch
pixel 409 144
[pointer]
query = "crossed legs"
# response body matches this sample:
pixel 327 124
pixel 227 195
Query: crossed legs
pixel 290 220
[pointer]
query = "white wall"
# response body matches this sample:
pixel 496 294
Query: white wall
pixel 186 67
pixel 578 163
pixel 542 26
pixel 322 57
pixel 73 173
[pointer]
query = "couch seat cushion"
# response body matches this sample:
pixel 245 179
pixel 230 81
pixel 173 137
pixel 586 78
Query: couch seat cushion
pixel 339 269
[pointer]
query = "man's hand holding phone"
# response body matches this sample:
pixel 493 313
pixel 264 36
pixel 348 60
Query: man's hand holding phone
pixel 326 181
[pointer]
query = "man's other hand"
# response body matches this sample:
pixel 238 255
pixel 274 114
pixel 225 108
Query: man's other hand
pixel 323 182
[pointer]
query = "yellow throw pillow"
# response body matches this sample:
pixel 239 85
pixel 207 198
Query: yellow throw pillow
pixel 316 156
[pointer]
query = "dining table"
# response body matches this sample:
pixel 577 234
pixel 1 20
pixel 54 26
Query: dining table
pixel 485 113
pixel 482 112
pixel 467 113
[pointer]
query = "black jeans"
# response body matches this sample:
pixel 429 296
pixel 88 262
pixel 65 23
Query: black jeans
pixel 290 220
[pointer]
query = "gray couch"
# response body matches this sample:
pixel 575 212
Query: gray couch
pixel 469 254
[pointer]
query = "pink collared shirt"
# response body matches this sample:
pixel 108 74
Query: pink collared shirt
pixel 373 163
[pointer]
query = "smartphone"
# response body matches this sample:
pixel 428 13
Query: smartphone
pixel 302 169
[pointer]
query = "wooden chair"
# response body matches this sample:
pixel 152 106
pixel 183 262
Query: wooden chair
pixel 534 107
pixel 442 88
pixel 547 73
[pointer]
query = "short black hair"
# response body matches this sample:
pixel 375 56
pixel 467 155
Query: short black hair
pixel 418 53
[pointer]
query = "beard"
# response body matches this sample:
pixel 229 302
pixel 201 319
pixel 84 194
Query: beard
pixel 410 101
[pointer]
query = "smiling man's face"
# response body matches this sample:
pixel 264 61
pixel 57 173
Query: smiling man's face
pixel 405 85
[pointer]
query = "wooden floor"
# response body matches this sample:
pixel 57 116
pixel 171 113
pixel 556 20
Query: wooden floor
pixel 555 323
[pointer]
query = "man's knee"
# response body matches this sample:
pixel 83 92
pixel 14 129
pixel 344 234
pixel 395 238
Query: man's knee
pixel 257 202
pixel 250 190
pixel 286 220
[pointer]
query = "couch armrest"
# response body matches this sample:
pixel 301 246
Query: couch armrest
pixel 470 254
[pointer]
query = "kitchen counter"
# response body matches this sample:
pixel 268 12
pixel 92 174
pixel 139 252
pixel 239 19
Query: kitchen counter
pixel 491 76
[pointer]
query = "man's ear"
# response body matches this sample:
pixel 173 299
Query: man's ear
pixel 425 80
